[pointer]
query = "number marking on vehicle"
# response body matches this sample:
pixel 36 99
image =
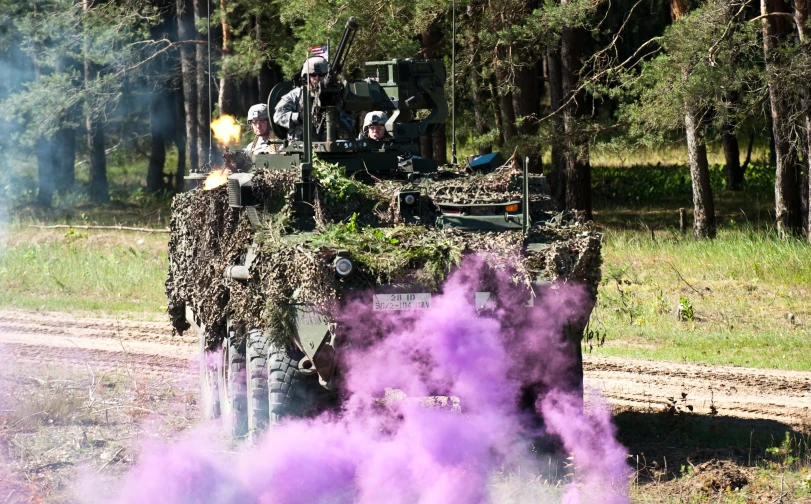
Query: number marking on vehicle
pixel 402 301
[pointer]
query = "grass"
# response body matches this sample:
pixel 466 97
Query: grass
pixel 58 426
pixel 748 291
pixel 102 272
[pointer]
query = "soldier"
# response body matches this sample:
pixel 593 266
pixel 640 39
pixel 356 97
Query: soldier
pixel 260 122
pixel 290 108
pixel 374 127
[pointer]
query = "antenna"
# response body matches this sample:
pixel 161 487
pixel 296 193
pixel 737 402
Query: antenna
pixel 525 197
pixel 453 84
pixel 208 6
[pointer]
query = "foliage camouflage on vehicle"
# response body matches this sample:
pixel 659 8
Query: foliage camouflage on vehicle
pixel 208 236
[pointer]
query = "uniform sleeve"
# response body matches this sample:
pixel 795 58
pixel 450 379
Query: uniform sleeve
pixel 287 109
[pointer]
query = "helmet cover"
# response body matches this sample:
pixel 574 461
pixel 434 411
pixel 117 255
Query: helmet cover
pixel 376 117
pixel 315 65
pixel 258 111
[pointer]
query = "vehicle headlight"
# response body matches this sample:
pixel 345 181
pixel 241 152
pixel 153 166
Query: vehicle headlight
pixel 343 266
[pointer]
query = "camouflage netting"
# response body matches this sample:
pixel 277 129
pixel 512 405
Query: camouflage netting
pixel 208 236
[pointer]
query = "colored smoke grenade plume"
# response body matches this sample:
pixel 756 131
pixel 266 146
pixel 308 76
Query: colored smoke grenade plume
pixel 369 453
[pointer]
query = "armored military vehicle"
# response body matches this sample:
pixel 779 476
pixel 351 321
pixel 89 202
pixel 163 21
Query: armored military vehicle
pixel 260 266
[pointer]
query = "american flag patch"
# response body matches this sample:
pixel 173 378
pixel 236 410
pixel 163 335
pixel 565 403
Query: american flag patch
pixel 320 50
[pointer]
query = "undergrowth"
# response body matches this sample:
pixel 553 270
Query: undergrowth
pixel 390 253
pixel 657 183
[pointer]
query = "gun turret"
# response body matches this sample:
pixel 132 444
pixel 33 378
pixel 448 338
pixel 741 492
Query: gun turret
pixel 337 66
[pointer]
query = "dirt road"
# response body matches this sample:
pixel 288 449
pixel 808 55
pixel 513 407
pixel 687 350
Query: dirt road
pixel 103 344
pixel 149 347
pixel 783 396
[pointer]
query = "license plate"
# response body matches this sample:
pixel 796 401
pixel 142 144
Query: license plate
pixel 386 302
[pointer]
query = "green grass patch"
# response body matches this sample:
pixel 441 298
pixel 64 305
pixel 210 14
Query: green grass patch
pixel 82 271
pixel 741 299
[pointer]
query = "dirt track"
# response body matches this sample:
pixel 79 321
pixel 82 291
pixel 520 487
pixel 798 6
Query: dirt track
pixel 783 396
pixel 102 344
pixel 149 347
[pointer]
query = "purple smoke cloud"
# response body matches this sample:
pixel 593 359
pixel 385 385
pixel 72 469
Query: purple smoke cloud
pixel 404 452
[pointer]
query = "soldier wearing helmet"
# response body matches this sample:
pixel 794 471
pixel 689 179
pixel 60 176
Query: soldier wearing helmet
pixel 260 123
pixel 374 127
pixel 289 110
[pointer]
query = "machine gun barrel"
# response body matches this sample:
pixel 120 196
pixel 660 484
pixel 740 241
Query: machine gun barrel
pixel 343 48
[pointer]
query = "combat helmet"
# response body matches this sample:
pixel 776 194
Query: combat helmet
pixel 376 117
pixel 258 111
pixel 315 65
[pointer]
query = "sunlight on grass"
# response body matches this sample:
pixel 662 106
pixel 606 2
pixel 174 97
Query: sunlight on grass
pixel 748 294
pixel 79 272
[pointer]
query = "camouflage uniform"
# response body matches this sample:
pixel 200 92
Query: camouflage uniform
pixel 289 113
pixel 260 145
pixel 289 110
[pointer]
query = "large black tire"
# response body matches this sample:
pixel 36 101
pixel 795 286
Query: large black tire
pixel 258 411
pixel 232 387
pixel 292 393
pixel 209 396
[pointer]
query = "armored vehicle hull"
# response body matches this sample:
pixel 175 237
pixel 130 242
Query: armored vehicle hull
pixel 266 296
pixel 264 266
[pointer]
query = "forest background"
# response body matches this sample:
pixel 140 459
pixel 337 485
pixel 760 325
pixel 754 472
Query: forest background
pixel 634 110
pixel 92 85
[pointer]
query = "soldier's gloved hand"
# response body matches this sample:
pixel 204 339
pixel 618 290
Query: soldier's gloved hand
pixel 295 118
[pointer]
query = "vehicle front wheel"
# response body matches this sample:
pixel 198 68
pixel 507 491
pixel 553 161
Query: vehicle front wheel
pixel 209 395
pixel 292 391
pixel 231 382
pixel 258 411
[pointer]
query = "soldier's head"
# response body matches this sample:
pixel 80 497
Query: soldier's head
pixel 374 125
pixel 316 68
pixel 259 120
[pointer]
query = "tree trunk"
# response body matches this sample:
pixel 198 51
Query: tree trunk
pixel 45 171
pixel 479 107
pixel 802 13
pixel 578 169
pixel 788 211
pixel 505 102
pixel 161 111
pixel 227 98
pixel 703 205
pixel 527 107
pixel 99 189
pixel 158 119
pixel 732 154
pixel 180 141
pixel 557 174
pixel 427 146
pixel 494 99
pixel 203 90
pixel 65 158
pixel 186 31
pixel 440 147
